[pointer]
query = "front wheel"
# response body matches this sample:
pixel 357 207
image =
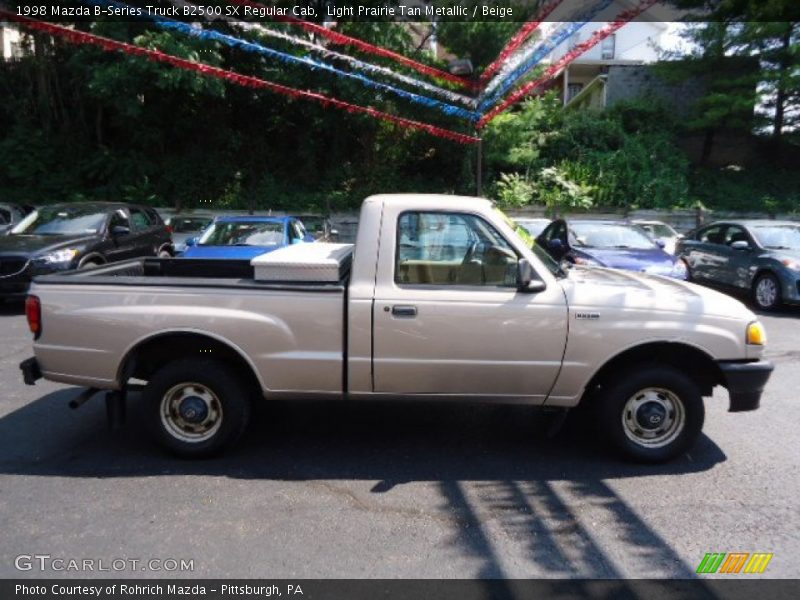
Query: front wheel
pixel 652 414
pixel 197 407
pixel 767 292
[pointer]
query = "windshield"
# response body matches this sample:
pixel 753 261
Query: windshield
pixel 315 224
pixel 778 237
pixel 523 234
pixel 658 230
pixel 189 224
pixel 62 220
pixel 533 226
pixel 610 235
pixel 243 233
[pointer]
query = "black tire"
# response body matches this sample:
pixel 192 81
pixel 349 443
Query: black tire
pixel 763 299
pixel 213 386
pixel 653 389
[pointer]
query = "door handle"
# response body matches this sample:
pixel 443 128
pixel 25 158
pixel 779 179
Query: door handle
pixel 404 311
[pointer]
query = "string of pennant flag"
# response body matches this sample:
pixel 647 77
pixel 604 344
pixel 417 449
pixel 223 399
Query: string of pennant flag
pixel 504 83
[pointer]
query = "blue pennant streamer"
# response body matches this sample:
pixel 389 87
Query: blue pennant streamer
pixel 542 51
pixel 234 42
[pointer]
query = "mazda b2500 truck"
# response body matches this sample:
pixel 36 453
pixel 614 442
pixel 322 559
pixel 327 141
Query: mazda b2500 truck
pixel 439 299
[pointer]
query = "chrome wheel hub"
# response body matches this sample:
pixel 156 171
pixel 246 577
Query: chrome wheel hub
pixel 191 412
pixel 653 417
pixel 766 292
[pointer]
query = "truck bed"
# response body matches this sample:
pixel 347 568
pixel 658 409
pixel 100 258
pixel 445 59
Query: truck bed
pixel 291 333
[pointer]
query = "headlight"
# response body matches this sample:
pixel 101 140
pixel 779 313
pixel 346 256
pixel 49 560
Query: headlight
pixel 59 256
pixel 587 262
pixel 790 263
pixel 679 270
pixel 756 336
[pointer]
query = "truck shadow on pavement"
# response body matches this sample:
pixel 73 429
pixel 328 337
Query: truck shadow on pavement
pixel 496 472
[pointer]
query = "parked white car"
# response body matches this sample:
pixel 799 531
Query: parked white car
pixel 660 231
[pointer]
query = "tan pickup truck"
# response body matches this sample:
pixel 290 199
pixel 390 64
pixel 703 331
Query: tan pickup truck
pixel 439 299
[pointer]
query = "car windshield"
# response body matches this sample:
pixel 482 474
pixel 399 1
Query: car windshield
pixel 524 235
pixel 243 233
pixel 189 224
pixel 658 230
pixel 533 226
pixel 314 224
pixel 778 237
pixel 62 220
pixel 610 235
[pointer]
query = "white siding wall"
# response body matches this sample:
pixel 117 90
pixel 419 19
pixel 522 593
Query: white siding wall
pixel 9 40
pixel 636 41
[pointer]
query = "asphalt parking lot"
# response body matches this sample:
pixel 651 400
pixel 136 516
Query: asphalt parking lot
pixel 408 491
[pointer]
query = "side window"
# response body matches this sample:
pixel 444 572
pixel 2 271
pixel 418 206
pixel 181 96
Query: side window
pixel 139 220
pixel 712 235
pixel 452 249
pixel 119 219
pixel 154 217
pixel 734 233
pixel 5 216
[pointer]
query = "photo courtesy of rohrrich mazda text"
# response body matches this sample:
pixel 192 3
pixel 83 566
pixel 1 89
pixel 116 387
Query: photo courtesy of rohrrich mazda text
pixel 404 299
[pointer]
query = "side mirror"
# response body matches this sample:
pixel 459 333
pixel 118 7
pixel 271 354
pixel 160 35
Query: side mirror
pixel 740 245
pixel 680 236
pixel 525 281
pixel 555 245
pixel 661 244
pixel 192 241
pixel 120 230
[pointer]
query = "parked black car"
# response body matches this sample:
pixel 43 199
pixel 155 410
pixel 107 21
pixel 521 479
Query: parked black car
pixel 320 227
pixel 61 237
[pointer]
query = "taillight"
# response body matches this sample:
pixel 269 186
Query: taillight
pixel 169 228
pixel 33 312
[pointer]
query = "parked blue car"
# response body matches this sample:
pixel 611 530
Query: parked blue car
pixel 762 257
pixel 244 238
pixel 613 244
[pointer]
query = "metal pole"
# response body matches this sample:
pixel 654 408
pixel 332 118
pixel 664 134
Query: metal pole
pixel 479 168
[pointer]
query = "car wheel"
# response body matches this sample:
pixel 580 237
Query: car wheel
pixel 89 264
pixel 767 292
pixel 651 414
pixel 197 408
pixel 164 254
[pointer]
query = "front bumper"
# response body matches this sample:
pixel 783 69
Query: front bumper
pixel 745 382
pixel 31 372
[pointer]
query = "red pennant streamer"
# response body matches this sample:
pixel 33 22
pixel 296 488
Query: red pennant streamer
pixel 346 40
pixel 622 19
pixel 519 38
pixel 81 37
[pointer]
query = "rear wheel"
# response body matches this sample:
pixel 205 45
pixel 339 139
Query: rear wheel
pixel 767 291
pixel 164 254
pixel 652 414
pixel 197 408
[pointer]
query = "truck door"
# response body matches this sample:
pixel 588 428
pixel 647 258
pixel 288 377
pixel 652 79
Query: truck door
pixel 450 320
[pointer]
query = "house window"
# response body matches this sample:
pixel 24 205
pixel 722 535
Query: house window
pixel 608 47
pixel 573 89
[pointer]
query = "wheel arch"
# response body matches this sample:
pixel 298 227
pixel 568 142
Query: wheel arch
pixel 92 257
pixel 696 362
pixel 146 355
